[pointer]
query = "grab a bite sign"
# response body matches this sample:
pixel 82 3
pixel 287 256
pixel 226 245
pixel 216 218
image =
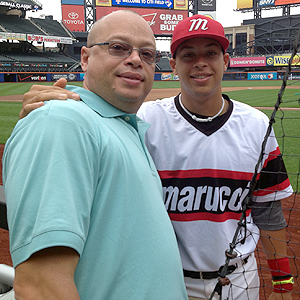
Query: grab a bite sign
pixel 161 21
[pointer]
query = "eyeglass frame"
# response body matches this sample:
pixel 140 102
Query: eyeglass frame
pixel 157 53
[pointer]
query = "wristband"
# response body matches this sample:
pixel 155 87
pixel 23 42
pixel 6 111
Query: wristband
pixel 281 275
pixel 291 280
pixel 283 286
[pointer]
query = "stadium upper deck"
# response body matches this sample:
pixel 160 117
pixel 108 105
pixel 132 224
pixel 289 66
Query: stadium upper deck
pixel 20 36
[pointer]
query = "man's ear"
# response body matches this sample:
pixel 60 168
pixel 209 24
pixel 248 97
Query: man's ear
pixel 173 65
pixel 85 54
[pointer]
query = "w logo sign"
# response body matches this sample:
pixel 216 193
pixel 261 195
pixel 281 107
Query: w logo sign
pixel 197 23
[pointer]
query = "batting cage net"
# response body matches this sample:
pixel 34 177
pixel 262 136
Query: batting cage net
pixel 285 120
pixel 284 125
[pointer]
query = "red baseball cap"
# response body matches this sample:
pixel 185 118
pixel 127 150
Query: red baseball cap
pixel 198 26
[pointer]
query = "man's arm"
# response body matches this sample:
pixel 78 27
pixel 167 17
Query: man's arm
pixel 47 274
pixel 274 245
pixel 39 93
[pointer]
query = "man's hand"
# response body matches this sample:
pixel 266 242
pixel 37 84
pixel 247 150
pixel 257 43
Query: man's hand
pixel 39 93
pixel 278 296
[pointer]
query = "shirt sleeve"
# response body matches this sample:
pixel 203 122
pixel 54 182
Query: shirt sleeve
pixel 268 215
pixel 50 177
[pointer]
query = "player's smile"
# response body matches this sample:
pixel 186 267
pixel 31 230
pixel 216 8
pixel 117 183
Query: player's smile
pixel 201 78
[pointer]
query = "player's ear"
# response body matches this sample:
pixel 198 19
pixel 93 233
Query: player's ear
pixel 173 65
pixel 226 61
pixel 85 54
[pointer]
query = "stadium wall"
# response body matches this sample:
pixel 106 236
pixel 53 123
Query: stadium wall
pixel 159 76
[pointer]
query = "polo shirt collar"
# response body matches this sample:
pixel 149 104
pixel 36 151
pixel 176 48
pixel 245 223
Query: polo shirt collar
pixel 96 103
pixel 107 110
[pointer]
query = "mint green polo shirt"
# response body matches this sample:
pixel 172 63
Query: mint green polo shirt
pixel 77 174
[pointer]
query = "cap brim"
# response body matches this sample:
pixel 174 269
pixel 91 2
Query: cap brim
pixel 224 42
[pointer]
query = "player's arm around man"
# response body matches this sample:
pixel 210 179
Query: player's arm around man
pixel 39 93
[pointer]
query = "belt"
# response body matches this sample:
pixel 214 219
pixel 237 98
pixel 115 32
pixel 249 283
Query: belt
pixel 211 275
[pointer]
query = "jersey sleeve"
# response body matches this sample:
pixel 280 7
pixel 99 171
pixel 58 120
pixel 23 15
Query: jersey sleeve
pixel 272 181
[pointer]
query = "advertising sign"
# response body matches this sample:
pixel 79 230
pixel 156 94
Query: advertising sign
pixel 276 2
pixel 144 3
pixel 103 2
pixel 80 77
pixel 161 21
pixel 284 2
pixel 266 2
pixel 244 4
pixel 248 62
pixel 46 38
pixel 181 4
pixel 165 77
pixel 262 76
pixel 207 5
pixel 14 5
pixel 73 2
pixel 13 36
pixel 73 17
pixel 281 60
pixel 210 14
pixel 68 76
pixel 168 4
pixel 32 77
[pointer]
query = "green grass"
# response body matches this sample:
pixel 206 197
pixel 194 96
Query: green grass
pixel 19 88
pixel 9 116
pixel 246 83
pixel 287 129
pixel 265 97
pixel 166 84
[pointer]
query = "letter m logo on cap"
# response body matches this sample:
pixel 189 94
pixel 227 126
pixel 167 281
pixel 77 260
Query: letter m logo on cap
pixel 196 23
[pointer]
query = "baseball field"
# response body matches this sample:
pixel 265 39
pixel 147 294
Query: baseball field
pixel 261 94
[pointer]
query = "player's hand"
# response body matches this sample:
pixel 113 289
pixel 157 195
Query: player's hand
pixel 279 296
pixel 39 93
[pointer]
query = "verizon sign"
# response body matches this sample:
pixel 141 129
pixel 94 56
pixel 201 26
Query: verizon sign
pixel 161 21
pixel 73 17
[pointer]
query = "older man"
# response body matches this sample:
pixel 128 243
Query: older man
pixel 85 208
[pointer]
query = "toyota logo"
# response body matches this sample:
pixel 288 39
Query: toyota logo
pixel 73 15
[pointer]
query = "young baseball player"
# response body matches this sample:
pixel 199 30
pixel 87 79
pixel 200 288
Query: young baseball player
pixel 205 147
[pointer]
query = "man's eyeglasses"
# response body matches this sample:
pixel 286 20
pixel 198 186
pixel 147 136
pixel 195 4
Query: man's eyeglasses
pixel 123 49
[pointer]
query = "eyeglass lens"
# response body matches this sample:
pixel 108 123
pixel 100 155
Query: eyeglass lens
pixel 123 49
